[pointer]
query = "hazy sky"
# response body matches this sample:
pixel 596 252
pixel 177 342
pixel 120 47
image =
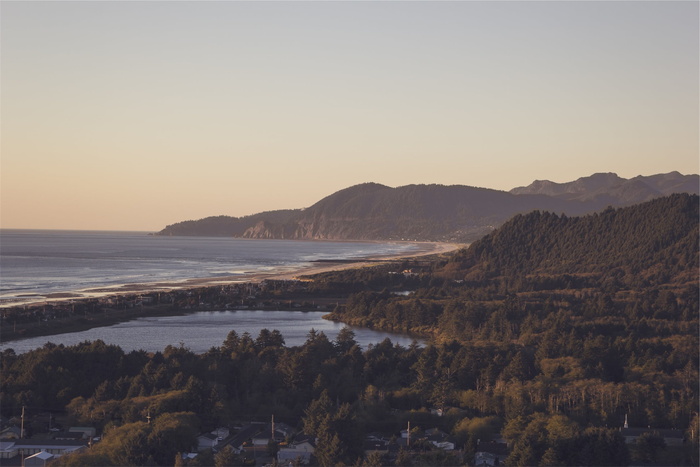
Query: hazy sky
pixel 135 115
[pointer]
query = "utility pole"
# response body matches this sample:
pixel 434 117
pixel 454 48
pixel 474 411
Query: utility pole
pixel 21 435
pixel 408 433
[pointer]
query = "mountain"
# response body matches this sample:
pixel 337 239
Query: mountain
pixel 457 213
pixel 608 189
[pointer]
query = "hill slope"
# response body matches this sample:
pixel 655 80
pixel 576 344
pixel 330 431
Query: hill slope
pixel 653 242
pixel 459 213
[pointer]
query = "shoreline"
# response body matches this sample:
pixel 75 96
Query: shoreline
pixel 65 312
pixel 297 273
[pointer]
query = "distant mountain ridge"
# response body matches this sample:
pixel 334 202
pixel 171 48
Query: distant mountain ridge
pixel 457 213
pixel 609 187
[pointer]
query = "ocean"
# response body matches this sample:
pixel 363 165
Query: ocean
pixel 36 263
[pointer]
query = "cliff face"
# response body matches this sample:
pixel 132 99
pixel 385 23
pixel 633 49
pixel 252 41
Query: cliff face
pixel 435 212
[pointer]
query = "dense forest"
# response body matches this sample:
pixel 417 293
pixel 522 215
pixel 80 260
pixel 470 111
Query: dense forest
pixel 549 332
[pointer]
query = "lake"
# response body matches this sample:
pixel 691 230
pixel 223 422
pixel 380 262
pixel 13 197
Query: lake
pixel 202 330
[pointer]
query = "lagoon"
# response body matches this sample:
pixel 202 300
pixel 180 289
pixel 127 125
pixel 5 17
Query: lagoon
pixel 202 330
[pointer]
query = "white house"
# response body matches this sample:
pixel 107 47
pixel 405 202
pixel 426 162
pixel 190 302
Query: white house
pixel 27 447
pixel 40 459
pixel 440 439
pixel 206 441
pixel 300 450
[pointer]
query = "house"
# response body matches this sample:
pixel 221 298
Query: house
pixel 282 431
pixel 87 431
pixel 285 429
pixel 440 439
pixel 27 447
pixel 7 450
pixel 40 459
pixel 11 432
pixel 490 453
pixel 239 439
pixel 221 433
pixel 300 451
pixel 206 441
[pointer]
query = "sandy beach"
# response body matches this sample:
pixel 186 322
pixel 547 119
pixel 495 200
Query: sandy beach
pixel 422 249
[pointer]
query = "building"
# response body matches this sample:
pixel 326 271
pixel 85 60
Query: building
pixel 7 450
pixel 206 441
pixel 490 454
pixel 40 459
pixel 28 447
pixel 88 432
pixel 440 439
pixel 299 451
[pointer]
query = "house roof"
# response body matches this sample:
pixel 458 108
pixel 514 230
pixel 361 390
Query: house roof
pixel 41 455
pixel 242 436
pixel 6 445
pixel 49 443
pixel 11 429
pixel 266 432
pixel 439 438
pixel 304 438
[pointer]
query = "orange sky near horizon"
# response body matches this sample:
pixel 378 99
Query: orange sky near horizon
pixel 136 115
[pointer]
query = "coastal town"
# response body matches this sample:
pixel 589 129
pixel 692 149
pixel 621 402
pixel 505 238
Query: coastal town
pixel 254 443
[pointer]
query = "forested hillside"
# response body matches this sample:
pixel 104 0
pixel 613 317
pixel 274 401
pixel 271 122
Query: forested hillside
pixel 651 243
pixel 599 315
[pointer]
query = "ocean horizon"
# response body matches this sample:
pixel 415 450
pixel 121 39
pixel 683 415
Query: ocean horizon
pixel 38 263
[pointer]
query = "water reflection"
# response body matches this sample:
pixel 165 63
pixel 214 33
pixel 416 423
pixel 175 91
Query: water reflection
pixel 202 330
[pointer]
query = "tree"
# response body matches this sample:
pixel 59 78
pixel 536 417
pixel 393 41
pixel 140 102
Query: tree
pixel 171 433
pixel 403 458
pixel 345 340
pixel 336 431
pixel 272 448
pixel 647 447
pixel 374 459
pixel 226 457
pixel 316 414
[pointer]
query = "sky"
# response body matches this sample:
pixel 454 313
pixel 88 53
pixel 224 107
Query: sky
pixel 136 115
